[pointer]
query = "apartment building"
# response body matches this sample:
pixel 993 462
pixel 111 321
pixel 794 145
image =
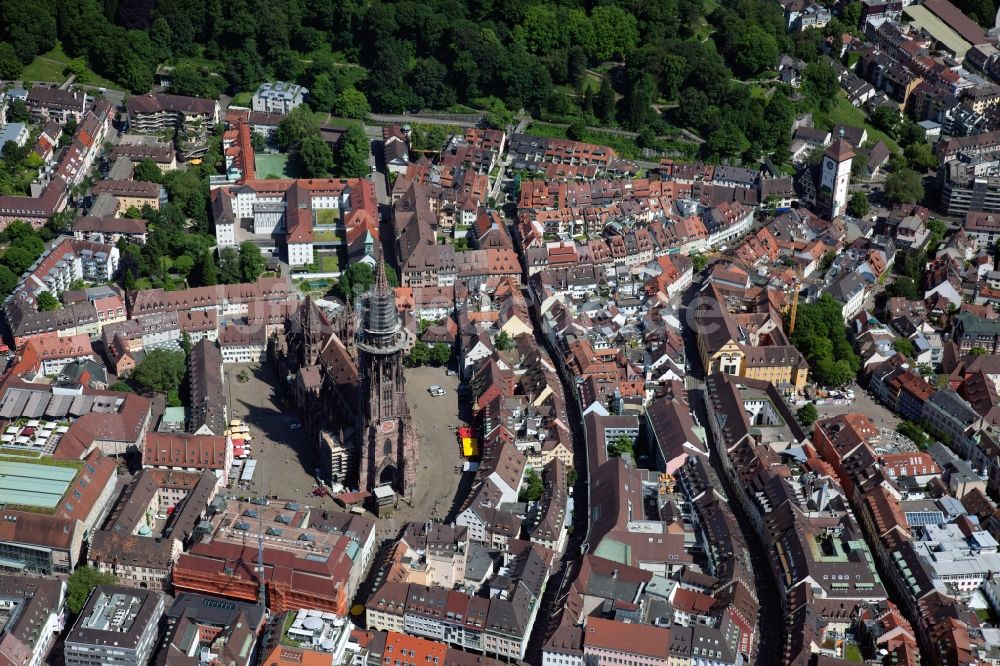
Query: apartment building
pixel 45 103
pixel 278 97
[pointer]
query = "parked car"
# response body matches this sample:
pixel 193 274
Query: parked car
pixel 295 426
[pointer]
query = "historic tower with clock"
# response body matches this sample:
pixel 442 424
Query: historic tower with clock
pixel 835 179
pixel 388 443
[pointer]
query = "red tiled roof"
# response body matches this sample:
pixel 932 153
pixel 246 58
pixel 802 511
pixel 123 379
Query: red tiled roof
pixel 182 450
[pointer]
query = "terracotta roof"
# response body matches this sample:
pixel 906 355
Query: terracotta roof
pixel 840 151
pixel 627 638
pixel 110 225
pixel 182 450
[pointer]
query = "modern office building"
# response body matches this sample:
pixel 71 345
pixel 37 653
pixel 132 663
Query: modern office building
pixel 118 625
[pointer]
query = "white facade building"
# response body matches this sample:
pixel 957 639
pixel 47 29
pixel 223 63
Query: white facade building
pixel 278 97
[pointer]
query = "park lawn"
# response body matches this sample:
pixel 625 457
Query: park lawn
pixel 844 112
pixel 49 67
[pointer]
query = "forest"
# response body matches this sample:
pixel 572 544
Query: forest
pixel 648 66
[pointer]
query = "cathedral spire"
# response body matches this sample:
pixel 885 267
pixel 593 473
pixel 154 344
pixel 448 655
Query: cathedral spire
pixel 381 282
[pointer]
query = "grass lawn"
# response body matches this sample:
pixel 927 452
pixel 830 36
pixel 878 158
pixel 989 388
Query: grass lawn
pixel 328 236
pixel 242 99
pixel 327 263
pixel 49 67
pixel 327 216
pixel 274 164
pixel 852 653
pixel 199 61
pixel 844 112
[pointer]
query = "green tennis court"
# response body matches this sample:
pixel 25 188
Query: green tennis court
pixel 273 164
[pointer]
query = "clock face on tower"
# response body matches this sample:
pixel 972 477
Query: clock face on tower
pixel 829 165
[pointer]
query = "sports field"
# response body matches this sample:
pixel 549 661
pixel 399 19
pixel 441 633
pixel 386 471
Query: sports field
pixel 273 164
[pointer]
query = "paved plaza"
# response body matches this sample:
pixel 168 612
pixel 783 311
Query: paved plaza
pixel 286 459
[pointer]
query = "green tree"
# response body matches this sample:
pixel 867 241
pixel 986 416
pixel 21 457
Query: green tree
pixel 616 32
pixel 700 261
pixel 858 205
pixel 604 104
pixel 904 186
pixel 914 432
pixel 903 346
pixel 296 126
pixel 121 387
pixel 827 260
pixel 727 140
pixel 81 583
pixel 10 64
pixel 8 280
pixel 351 103
pixel 920 157
pixel 29 27
pixel 205 273
pixel 977 351
pixel 910 132
pixel 429 82
pixel 420 354
pixel 820 85
pixel 850 15
pixel 807 414
pixel 577 130
pixel 193 81
pixel 184 264
pixel 440 353
pixel 17 112
pixel 188 190
pixel 352 160
pixel 621 445
pixel 531 487
pixel 315 157
pixel 886 118
pixel 904 286
pixel 147 171
pixel 252 262
pixel 47 302
pixel 821 336
pixel 229 266
pixel 258 142
pixel 503 342
pixel 637 104
pixel 321 93
pixel 17 259
pixel 356 280
pixel 160 370
pixel 758 53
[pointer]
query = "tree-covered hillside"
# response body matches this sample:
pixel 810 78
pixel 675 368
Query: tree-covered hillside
pixel 644 65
